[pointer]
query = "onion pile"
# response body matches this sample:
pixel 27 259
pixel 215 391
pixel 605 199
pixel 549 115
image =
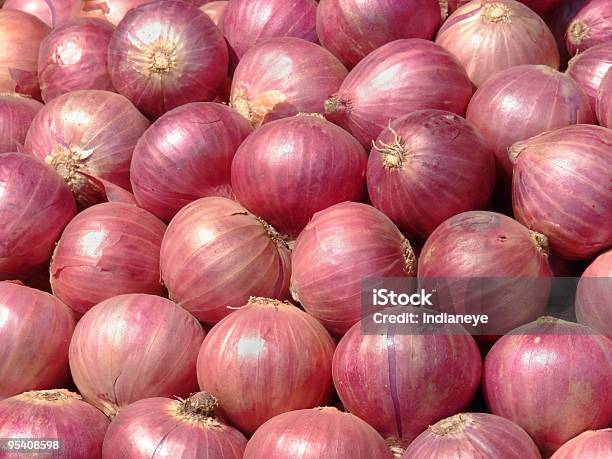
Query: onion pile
pixel 558 20
pixel 591 26
pixel 587 445
pixel 589 68
pixel 400 77
pixel 215 10
pixel 593 295
pixel 265 359
pixel 132 347
pixel 16 115
pixel 112 11
pixel 274 166
pixel 54 13
pixel 604 101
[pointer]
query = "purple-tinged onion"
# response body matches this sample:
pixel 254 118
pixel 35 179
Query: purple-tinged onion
pixel 54 13
pixel 593 295
pixel 591 26
pixel 604 101
pixel 589 68
pixel 16 115
pixel 588 445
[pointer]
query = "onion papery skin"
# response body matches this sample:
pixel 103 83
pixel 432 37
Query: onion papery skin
pixel 539 6
pixel 265 359
pixel 88 136
pixel 274 166
pixel 587 445
pixel 54 13
pixel 604 101
pixel 400 379
pixel 216 255
pixel 591 26
pixel 54 415
pixel 22 33
pixel 422 155
pixel 132 347
pixel 398 78
pixel 112 11
pixel 215 10
pixel 593 295
pixel 107 250
pixel 35 332
pixel 563 370
pixel 488 36
pixel 163 427
pixel 166 54
pixel 352 29
pixel 16 115
pixel 577 158
pixel 342 245
pixel 473 435
pixel 282 77
pixel 74 57
pixel 589 68
pixel 35 206
pixel 316 433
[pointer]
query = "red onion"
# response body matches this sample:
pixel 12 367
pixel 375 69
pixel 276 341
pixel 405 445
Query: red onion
pixel 428 166
pixel 559 19
pixel 16 115
pixel 472 435
pixel 165 54
pixel 88 136
pixel 73 427
pixel 591 26
pixel 593 295
pixel 588 445
pixel 265 359
pixel 112 11
pixel 173 428
pixel 539 6
pixel 400 380
pixel 35 206
pixel 215 10
pixel 273 168
pixel 215 255
pixel 563 373
pixel 316 433
pixel 352 29
pixel 341 246
pixel 576 158
pixel 185 155
pixel 604 101
pixel 488 36
pixel 21 33
pixel 589 68
pixel 52 12
pixel 283 77
pixel 132 347
pixel 400 77
pixel 74 56
pixel 35 331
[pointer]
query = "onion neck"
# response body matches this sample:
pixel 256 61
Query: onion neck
pixel 15 95
pixel 540 241
pixel 577 32
pixel 409 257
pixel 273 234
pixel 443 8
pixel 393 154
pixel 496 13
pixel 199 407
pixel 162 59
pixel 397 446
pixel 337 105
pixel 453 425
pixel 67 162
pixel 268 302
pixel 50 396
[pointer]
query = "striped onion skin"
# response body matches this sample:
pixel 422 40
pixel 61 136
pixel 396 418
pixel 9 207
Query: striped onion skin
pixel 591 26
pixel 593 295
pixel 587 445
pixel 16 115
pixel 589 68
pixel 604 101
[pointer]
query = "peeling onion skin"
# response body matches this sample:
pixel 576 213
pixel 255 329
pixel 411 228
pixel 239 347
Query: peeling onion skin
pixel 215 10
pixel 35 333
pixel 275 166
pixel 473 435
pixel 577 158
pixel 166 54
pixel 591 26
pixel 112 11
pixel 35 206
pixel 352 29
pixel 588 445
pixel 398 78
pixel 186 155
pixel 54 415
pixel 561 368
pixel 589 68
pixel 216 255
pixel 316 433
pixel 400 379
pixel 488 36
pixel 16 115
pixel 134 336
pixel 604 101
pixel 54 13
pixel 593 295
pixel 265 359
pixel 423 160
pixel 339 247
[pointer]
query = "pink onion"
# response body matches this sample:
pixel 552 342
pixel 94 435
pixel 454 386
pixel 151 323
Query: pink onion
pixel 290 169
pixel 165 54
pixel 587 445
pixel 472 435
pixel 604 101
pixel 215 10
pixel 352 29
pixel 488 36
pixel 185 155
pixel 558 20
pixel 21 34
pixel 400 77
pixel 132 347
pixel 35 206
pixel 563 372
pixel 400 379
pixel 88 136
pixel 428 166
pixel 264 359
pixel 576 158
pixel 49 416
pixel 539 6
pixel 112 11
pixel 173 428
pixel 316 433
pixel 283 77
pixel 35 331
pixel 591 26
pixel 589 68
pixel 74 56
pixel 215 255
pixel 54 13
pixel 341 246
pixel 593 295
pixel 16 115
